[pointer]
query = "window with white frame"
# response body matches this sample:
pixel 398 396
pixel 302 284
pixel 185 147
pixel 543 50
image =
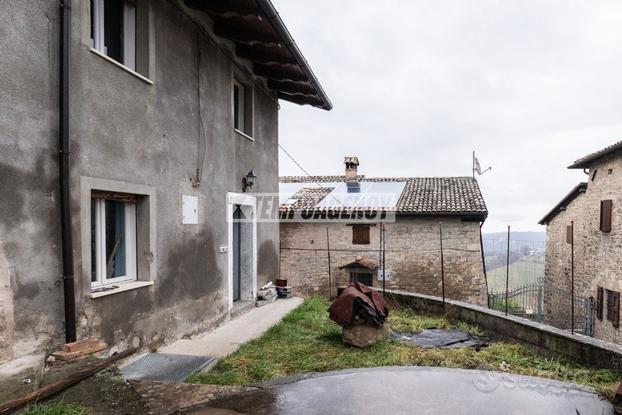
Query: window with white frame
pixel 242 108
pixel 113 238
pixel 113 30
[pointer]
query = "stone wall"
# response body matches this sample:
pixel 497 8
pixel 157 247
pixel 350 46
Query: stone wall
pixel 412 256
pixel 553 341
pixel 597 254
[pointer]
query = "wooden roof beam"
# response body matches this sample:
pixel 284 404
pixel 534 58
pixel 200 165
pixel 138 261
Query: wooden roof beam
pixel 243 35
pixel 291 87
pixel 279 73
pixel 266 56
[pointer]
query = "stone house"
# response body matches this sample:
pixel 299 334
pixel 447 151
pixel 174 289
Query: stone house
pixel 588 218
pixel 343 228
pixel 131 133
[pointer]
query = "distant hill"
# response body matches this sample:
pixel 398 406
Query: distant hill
pixel 520 242
pixel 516 236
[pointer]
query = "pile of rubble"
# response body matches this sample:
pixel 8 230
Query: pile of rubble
pixel 266 295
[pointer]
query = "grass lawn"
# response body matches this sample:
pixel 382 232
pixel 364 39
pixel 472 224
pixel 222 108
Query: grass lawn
pixel 55 408
pixel 308 341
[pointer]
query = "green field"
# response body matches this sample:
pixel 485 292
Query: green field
pixel 527 270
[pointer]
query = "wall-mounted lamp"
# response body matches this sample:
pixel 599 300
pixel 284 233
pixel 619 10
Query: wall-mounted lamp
pixel 248 181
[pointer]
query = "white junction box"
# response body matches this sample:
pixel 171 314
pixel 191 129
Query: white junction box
pixel 190 210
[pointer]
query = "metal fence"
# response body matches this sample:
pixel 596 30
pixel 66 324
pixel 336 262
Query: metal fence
pixel 529 301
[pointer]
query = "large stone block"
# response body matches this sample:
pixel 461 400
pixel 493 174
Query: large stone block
pixel 364 335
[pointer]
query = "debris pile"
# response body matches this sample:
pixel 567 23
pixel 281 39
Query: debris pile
pixel 362 312
pixel 284 292
pixel 79 350
pixel 266 295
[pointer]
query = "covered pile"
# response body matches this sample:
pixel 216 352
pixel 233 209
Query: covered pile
pixel 359 305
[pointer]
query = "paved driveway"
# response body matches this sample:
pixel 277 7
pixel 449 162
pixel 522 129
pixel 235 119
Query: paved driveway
pixel 414 390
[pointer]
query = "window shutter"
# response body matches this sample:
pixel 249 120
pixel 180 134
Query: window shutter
pixel 360 235
pixel 605 215
pixel 616 309
pixel 569 234
pixel 599 302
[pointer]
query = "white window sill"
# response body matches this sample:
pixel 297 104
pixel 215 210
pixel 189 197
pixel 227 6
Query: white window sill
pixel 244 134
pixel 122 286
pixel 120 65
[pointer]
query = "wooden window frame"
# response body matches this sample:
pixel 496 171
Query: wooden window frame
pixel 361 234
pixel 243 110
pixel 606 215
pixel 600 297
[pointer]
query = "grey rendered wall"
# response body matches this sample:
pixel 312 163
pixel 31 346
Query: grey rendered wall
pixel 124 129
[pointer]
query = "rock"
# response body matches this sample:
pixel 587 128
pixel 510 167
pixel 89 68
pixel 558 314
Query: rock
pixel 364 335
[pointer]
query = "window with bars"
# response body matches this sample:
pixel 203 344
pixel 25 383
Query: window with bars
pixel 613 307
pixel 606 208
pixel 360 234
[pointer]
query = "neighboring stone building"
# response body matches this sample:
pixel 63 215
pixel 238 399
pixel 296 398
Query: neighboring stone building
pixel 594 209
pixel 169 105
pixel 344 213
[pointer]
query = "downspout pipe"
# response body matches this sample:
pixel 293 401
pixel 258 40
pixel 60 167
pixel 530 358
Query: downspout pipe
pixel 481 245
pixel 64 173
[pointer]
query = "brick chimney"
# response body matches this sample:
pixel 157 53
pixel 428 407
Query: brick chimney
pixel 352 164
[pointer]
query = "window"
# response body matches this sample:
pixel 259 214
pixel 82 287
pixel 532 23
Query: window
pixel 599 302
pixel 360 234
pixel 113 238
pixel 113 30
pixel 569 234
pixel 613 307
pixel 242 108
pixel 610 172
pixel 605 215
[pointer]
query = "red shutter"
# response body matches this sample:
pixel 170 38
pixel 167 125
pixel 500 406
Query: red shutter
pixel 599 302
pixel 605 215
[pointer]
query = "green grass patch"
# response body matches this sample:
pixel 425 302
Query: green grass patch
pixel 308 341
pixel 54 408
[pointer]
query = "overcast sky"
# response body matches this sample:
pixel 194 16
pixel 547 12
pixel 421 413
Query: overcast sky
pixel 531 85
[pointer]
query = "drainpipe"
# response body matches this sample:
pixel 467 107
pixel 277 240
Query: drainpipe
pixel 64 176
pixel 481 245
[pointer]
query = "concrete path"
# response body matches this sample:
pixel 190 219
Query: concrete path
pixel 414 390
pixel 227 338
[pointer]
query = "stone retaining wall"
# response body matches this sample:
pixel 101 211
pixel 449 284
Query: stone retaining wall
pixel 590 351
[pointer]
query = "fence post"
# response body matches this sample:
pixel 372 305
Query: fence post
pixel 507 274
pixel 539 305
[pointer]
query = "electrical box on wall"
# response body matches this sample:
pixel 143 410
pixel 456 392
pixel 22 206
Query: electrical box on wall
pixel 190 210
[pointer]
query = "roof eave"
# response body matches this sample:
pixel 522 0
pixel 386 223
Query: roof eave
pixel 562 204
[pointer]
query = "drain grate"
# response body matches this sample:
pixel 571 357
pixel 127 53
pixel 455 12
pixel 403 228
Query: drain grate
pixel 165 367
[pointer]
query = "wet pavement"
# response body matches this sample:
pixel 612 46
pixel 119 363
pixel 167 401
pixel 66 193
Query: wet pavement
pixel 414 390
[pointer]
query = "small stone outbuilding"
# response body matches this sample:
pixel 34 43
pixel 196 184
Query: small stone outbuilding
pixel 343 228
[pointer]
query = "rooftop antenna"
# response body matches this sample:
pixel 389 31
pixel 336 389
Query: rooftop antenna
pixel 477 168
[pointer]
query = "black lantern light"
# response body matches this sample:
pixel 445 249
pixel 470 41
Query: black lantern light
pixel 248 181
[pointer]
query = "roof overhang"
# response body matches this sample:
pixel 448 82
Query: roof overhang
pixel 561 206
pixel 587 161
pixel 260 36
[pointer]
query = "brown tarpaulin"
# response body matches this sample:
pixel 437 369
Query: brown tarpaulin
pixel 359 302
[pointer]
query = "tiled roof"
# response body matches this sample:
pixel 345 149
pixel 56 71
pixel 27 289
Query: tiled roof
pixel 360 261
pixel 586 161
pixel 561 206
pixel 308 197
pixel 460 196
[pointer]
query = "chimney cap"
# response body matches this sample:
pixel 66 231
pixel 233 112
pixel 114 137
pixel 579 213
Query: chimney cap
pixel 351 160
